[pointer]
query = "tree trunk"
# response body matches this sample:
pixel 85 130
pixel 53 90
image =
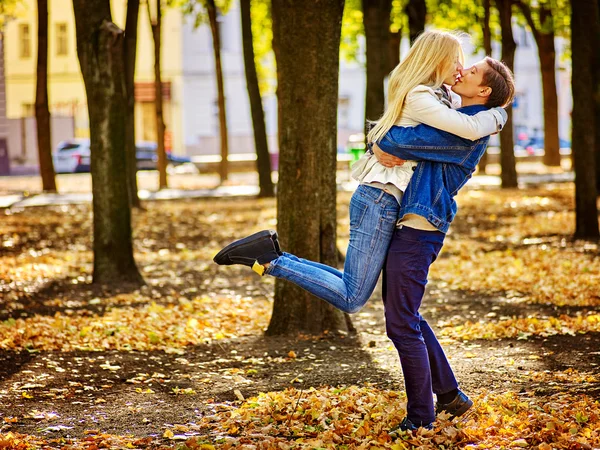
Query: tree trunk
pixel 131 25
pixel 487 47
pixel 307 92
pixel 509 46
pixel 42 112
pixel 416 10
pixel 487 31
pixel 597 109
pixel 395 41
pixel 544 39
pixel 263 158
pixel 158 97
pixel 100 50
pixel 547 55
pixel 376 20
pixel 584 47
pixel 214 27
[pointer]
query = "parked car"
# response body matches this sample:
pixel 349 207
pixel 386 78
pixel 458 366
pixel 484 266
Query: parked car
pixel 73 156
pixel 535 146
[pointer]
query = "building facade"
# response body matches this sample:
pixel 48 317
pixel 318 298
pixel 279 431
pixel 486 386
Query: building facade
pixel 190 90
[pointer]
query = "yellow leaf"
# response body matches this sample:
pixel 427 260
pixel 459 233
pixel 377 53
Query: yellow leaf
pixel 168 434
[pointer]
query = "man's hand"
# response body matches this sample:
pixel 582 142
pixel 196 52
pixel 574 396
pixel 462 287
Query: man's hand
pixel 385 159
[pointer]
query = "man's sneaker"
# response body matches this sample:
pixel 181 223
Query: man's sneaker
pixel 407 425
pixel 457 407
pixel 252 251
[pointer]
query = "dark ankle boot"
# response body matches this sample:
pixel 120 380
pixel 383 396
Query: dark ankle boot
pixel 252 251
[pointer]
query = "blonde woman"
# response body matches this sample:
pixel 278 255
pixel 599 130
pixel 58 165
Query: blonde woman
pixel 414 97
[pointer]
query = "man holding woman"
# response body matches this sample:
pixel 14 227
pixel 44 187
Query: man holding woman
pixel 417 195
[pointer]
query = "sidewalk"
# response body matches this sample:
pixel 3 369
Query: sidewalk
pixel 25 191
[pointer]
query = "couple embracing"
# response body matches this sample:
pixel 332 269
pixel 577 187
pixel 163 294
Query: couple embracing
pixel 420 153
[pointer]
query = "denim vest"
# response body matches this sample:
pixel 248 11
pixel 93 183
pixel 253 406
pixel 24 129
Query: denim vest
pixel 446 162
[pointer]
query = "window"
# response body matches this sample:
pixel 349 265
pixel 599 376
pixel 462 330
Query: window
pixel 24 41
pixel 61 39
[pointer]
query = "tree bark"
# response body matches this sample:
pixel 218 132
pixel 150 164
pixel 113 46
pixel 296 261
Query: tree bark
pixel 416 10
pixel 509 46
pixel 544 39
pixel 100 51
pixel 307 92
pixel 376 20
pixel 42 111
pixel 547 55
pixel 131 25
pixel 263 158
pixel 158 97
pixel 395 41
pixel 214 27
pixel 487 47
pixel 584 47
pixel 487 31
pixel 597 108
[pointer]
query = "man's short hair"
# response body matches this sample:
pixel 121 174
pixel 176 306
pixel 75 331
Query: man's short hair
pixel 498 77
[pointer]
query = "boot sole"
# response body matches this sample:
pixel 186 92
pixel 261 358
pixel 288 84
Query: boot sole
pixel 269 234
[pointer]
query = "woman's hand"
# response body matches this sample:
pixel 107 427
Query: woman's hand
pixel 385 159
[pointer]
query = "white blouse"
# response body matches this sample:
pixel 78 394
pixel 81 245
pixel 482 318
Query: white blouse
pixel 422 105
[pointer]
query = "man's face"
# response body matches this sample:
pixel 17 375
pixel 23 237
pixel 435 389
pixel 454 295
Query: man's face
pixel 469 83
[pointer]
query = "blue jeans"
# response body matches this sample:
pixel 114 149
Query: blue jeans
pixel 424 364
pixel 373 215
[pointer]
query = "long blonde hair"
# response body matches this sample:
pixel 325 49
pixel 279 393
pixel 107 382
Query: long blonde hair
pixel 430 60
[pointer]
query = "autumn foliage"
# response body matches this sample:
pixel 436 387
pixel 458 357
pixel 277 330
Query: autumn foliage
pixel 509 252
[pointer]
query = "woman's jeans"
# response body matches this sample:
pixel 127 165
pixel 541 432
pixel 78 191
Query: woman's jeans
pixel 373 215
pixel 424 364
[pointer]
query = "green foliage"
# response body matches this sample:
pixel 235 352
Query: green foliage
pixel 262 36
pixel 559 19
pixel 9 9
pixel 463 15
pixel 398 18
pixel 352 29
pixel 197 9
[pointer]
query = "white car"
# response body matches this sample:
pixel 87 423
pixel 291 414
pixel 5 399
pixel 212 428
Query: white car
pixel 72 156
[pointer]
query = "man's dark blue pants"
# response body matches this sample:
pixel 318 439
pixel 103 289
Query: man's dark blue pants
pixel 424 365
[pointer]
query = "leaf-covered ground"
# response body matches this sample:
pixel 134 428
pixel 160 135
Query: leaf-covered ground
pixel 183 362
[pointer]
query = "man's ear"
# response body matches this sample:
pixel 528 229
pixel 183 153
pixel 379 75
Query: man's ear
pixel 485 91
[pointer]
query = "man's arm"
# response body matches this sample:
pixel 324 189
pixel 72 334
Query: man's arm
pixel 425 143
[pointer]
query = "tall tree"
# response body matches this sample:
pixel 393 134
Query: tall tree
pixel 509 46
pixel 156 25
pixel 211 9
pixel 100 51
pixel 42 111
pixel 131 26
pixel 416 10
pixel 597 109
pixel 487 47
pixel 263 158
pixel 585 29
pixel 541 22
pixel 376 19
pixel 307 92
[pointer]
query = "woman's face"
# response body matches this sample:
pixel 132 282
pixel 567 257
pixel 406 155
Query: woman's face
pixel 452 77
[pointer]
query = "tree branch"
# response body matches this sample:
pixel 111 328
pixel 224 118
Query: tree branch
pixel 526 10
